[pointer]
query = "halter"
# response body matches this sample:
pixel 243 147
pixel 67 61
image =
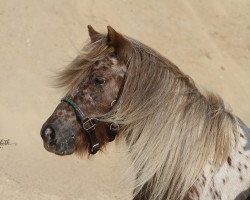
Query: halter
pixel 89 125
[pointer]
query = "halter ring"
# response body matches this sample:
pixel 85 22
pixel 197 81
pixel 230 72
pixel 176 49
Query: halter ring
pixel 112 103
pixel 114 127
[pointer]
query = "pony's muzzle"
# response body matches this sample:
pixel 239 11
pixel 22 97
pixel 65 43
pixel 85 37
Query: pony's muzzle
pixel 56 140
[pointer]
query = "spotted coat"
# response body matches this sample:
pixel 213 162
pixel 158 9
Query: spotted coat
pixel 232 181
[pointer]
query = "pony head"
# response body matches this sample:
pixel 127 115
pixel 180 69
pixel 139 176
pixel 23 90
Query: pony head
pixel 94 80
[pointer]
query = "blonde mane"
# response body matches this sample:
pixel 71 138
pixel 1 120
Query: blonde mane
pixel 172 129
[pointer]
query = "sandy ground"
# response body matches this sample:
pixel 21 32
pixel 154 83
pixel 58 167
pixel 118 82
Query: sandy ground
pixel 209 40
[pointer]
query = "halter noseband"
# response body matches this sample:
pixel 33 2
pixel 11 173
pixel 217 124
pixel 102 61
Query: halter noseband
pixel 89 126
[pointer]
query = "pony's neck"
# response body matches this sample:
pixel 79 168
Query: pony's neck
pixel 170 157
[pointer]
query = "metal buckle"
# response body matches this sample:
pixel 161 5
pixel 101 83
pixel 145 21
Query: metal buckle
pixel 88 124
pixel 114 127
pixel 95 148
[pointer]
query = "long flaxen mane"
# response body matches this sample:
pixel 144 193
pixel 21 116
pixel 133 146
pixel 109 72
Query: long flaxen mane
pixel 172 129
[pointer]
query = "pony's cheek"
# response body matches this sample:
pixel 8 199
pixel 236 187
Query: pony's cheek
pixel 87 98
pixel 81 144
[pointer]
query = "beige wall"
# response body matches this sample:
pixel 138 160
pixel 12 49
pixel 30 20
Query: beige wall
pixel 209 40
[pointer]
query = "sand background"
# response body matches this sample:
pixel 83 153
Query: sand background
pixel 209 40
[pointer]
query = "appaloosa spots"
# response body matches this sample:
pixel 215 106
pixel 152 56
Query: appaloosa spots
pixel 239 169
pixel 68 109
pixel 67 116
pixel 229 161
pixel 195 192
pixel 204 180
pixel 217 194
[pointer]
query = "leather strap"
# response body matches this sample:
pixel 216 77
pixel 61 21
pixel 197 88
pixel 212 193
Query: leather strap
pixel 89 126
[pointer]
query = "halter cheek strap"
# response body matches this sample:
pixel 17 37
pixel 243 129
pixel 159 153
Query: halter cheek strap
pixel 89 126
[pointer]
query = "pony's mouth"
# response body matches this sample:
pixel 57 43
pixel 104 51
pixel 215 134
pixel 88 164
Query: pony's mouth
pixel 66 147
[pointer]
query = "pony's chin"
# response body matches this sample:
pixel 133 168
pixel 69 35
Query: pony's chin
pixel 60 151
pixel 64 153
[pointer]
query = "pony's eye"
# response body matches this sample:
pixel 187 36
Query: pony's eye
pixel 98 81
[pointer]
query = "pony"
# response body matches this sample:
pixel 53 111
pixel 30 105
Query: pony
pixel 184 142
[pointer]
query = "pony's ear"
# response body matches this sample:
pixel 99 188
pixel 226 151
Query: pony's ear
pixel 93 34
pixel 120 43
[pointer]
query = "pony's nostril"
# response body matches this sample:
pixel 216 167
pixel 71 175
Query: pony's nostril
pixel 49 135
pixel 49 132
